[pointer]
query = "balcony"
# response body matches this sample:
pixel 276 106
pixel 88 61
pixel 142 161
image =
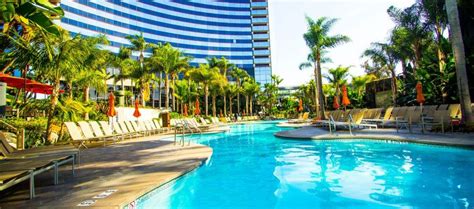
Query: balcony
pixel 261 36
pixel 261 52
pixel 259 4
pixel 262 61
pixel 259 12
pixel 259 28
pixel 261 44
pixel 260 20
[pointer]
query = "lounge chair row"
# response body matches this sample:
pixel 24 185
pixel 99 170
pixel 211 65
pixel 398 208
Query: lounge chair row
pixel 18 166
pixel 432 116
pixel 85 131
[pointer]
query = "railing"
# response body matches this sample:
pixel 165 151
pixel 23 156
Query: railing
pixel 20 134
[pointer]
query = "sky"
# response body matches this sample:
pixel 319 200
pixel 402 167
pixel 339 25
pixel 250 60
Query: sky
pixel 364 21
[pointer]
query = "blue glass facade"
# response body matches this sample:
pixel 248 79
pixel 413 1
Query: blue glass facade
pixel 235 29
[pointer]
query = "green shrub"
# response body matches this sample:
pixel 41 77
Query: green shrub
pixel 34 130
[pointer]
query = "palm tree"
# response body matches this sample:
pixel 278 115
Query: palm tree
pixel 239 75
pixel 216 88
pixel 318 40
pixel 415 30
pixel 250 88
pixel 224 65
pixel 385 56
pixel 51 56
pixel 140 45
pixel 170 61
pixel 338 77
pixel 232 91
pixel 181 93
pixel 460 59
pixel 204 75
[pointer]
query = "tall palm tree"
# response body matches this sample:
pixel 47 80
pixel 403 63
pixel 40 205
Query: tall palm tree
pixel 217 87
pixel 338 77
pixel 232 91
pixel 170 61
pixel 250 88
pixel 318 40
pixel 204 75
pixel 224 66
pixel 140 45
pixel 239 75
pixel 53 57
pixel 384 55
pixel 460 59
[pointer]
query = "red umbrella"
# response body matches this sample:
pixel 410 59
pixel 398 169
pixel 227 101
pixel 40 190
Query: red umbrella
pixel 335 103
pixel 41 88
pixel 137 112
pixel 345 99
pixel 13 81
pixel 197 111
pixel 300 107
pixel 185 110
pixel 420 98
pixel 111 111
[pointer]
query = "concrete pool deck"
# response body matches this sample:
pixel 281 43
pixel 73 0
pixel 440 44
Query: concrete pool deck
pixel 133 168
pixel 448 139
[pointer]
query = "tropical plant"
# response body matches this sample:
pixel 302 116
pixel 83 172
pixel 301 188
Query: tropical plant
pixel 319 41
pixel 204 75
pixel 216 88
pixel 239 75
pixel 170 61
pixel 250 89
pixel 338 77
pixel 232 91
pixel 384 56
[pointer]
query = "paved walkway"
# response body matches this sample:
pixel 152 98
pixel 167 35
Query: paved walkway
pixel 132 168
pixel 449 139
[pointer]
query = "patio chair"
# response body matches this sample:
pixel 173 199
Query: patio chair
pixel 99 133
pixel 441 120
pixel 158 125
pixel 109 131
pixel 18 166
pixel 128 130
pixel 387 114
pixel 412 117
pixel 134 126
pixel 77 135
pixel 88 132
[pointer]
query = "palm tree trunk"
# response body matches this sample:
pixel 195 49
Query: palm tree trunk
pixel 206 95
pixel 251 101
pixel 172 93
pixel 214 105
pixel 69 89
pixel 159 90
pixel 460 59
pixel 225 104
pixel 238 97
pixel 51 110
pixel 319 86
pixel 167 91
pixel 394 87
pixel 246 104
pixel 86 100
pixel 230 105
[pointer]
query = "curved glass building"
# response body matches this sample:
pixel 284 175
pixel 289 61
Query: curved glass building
pixel 235 29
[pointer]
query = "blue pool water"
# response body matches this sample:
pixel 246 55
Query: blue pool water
pixel 250 168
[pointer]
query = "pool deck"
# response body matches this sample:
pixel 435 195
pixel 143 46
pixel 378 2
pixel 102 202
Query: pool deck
pixel 448 139
pixel 133 168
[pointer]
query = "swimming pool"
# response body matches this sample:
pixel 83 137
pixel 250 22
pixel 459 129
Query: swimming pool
pixel 250 168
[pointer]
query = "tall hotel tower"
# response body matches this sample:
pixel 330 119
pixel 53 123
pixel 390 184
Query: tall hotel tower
pixel 235 29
